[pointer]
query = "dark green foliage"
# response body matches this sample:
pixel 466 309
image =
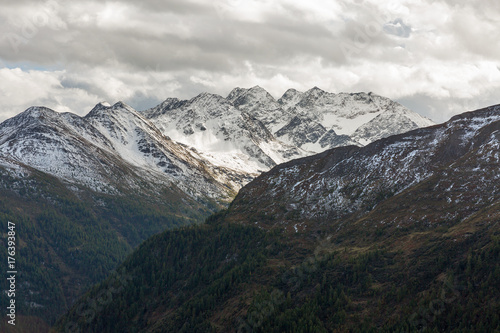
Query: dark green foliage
pixel 219 277
pixel 66 243
pixel 339 295
pixel 192 271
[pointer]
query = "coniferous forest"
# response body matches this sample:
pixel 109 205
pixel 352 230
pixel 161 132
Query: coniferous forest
pixel 221 277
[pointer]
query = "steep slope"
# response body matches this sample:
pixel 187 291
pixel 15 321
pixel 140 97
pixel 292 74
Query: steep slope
pixel 111 145
pixel 261 105
pixel 350 180
pixel 221 133
pixel 250 131
pixel 322 120
pixel 84 191
pixel 47 140
pixel 400 235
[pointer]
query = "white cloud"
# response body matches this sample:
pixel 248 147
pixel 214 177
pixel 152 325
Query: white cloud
pixel 438 56
pixel 22 89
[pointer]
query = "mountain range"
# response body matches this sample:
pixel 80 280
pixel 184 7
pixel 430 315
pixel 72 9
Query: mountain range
pixel 401 235
pixel 208 146
pixel 251 132
pixel 85 191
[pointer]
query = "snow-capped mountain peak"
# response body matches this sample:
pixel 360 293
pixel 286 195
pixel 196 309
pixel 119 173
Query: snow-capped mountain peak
pixel 314 92
pixel 318 118
pixel 226 135
pixel 38 112
pixel 256 91
pixel 105 104
pixel 235 93
pixel 290 98
pixel 308 122
pixel 259 104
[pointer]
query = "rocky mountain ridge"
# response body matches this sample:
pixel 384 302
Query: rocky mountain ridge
pixel 111 147
pixel 341 182
pixel 209 146
pixel 259 131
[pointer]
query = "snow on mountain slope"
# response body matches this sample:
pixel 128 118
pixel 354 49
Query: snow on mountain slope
pixel 361 116
pixel 306 132
pixel 43 139
pixel 260 104
pixel 222 133
pixel 111 146
pixel 146 147
pixel 208 145
pixel 250 131
pixel 290 98
pixel 461 157
pixel 387 123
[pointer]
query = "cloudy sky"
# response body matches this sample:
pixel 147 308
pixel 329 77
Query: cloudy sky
pixel 437 57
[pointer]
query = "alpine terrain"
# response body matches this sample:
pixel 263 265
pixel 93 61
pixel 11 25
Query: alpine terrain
pixel 251 132
pixel 401 235
pixel 85 191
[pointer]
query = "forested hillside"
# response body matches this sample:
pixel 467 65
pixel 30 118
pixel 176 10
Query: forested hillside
pixel 69 239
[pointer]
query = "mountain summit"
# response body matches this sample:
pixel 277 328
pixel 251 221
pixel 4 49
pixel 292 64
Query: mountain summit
pixel 321 120
pixel 250 131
